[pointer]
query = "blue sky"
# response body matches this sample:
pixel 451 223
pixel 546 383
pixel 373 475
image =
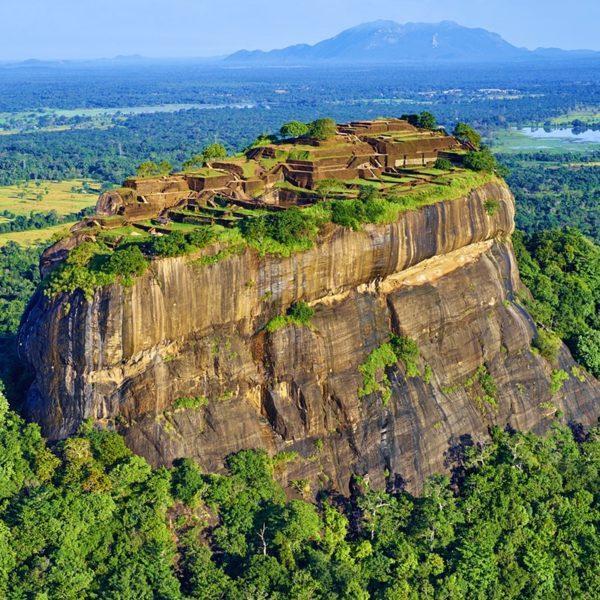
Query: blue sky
pixel 170 28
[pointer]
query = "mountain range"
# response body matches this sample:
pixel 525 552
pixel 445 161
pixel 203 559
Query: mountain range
pixel 388 41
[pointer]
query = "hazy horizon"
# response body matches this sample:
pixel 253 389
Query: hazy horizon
pixel 66 29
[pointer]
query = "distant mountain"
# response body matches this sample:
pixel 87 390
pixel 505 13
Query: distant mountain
pixel 130 61
pixel 388 41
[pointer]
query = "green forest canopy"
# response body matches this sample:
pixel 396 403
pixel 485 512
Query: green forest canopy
pixel 562 271
pixel 90 520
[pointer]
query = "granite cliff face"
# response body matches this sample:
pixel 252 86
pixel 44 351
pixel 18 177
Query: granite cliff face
pixel 444 275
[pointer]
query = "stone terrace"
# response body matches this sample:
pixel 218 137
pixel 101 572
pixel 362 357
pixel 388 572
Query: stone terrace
pixel 278 175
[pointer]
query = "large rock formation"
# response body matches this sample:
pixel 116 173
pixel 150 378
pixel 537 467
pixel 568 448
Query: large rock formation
pixel 444 275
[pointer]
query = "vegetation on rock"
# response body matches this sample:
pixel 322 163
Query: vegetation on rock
pixel 92 265
pixel 487 391
pixel 190 402
pixel 557 380
pixel 397 349
pixel 299 314
pixel 367 208
pixel 285 231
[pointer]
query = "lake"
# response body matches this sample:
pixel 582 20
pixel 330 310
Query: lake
pixel 561 134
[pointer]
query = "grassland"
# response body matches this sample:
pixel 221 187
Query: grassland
pixel 589 116
pixel 64 197
pixel 33 237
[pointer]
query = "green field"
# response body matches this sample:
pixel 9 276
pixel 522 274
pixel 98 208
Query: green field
pixel 31 237
pixel 64 197
pixel 590 115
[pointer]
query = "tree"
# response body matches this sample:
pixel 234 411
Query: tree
pixel 562 270
pixel 214 152
pixel 194 163
pixel 322 129
pixel 209 153
pixel 466 134
pixel 293 129
pixel 587 350
pixel 187 483
pixel 427 120
pixel 153 169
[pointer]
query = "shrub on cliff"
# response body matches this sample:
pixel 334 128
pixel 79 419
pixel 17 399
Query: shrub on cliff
pixel 481 160
pixel 287 226
pixel 126 262
pixel 548 344
pixel 172 244
pixel 347 213
pixel 397 349
pixel 299 314
pixel 407 352
pixel 80 271
pixel 92 265
pixel 373 372
pixel 291 228
pixel 201 236
pixel 367 208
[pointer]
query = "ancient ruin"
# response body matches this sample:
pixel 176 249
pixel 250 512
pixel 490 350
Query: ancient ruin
pixel 196 353
pixel 277 175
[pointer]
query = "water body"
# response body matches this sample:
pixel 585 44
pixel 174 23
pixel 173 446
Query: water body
pixel 589 136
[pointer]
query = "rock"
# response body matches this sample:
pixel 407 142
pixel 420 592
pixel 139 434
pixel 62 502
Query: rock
pixel 444 275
